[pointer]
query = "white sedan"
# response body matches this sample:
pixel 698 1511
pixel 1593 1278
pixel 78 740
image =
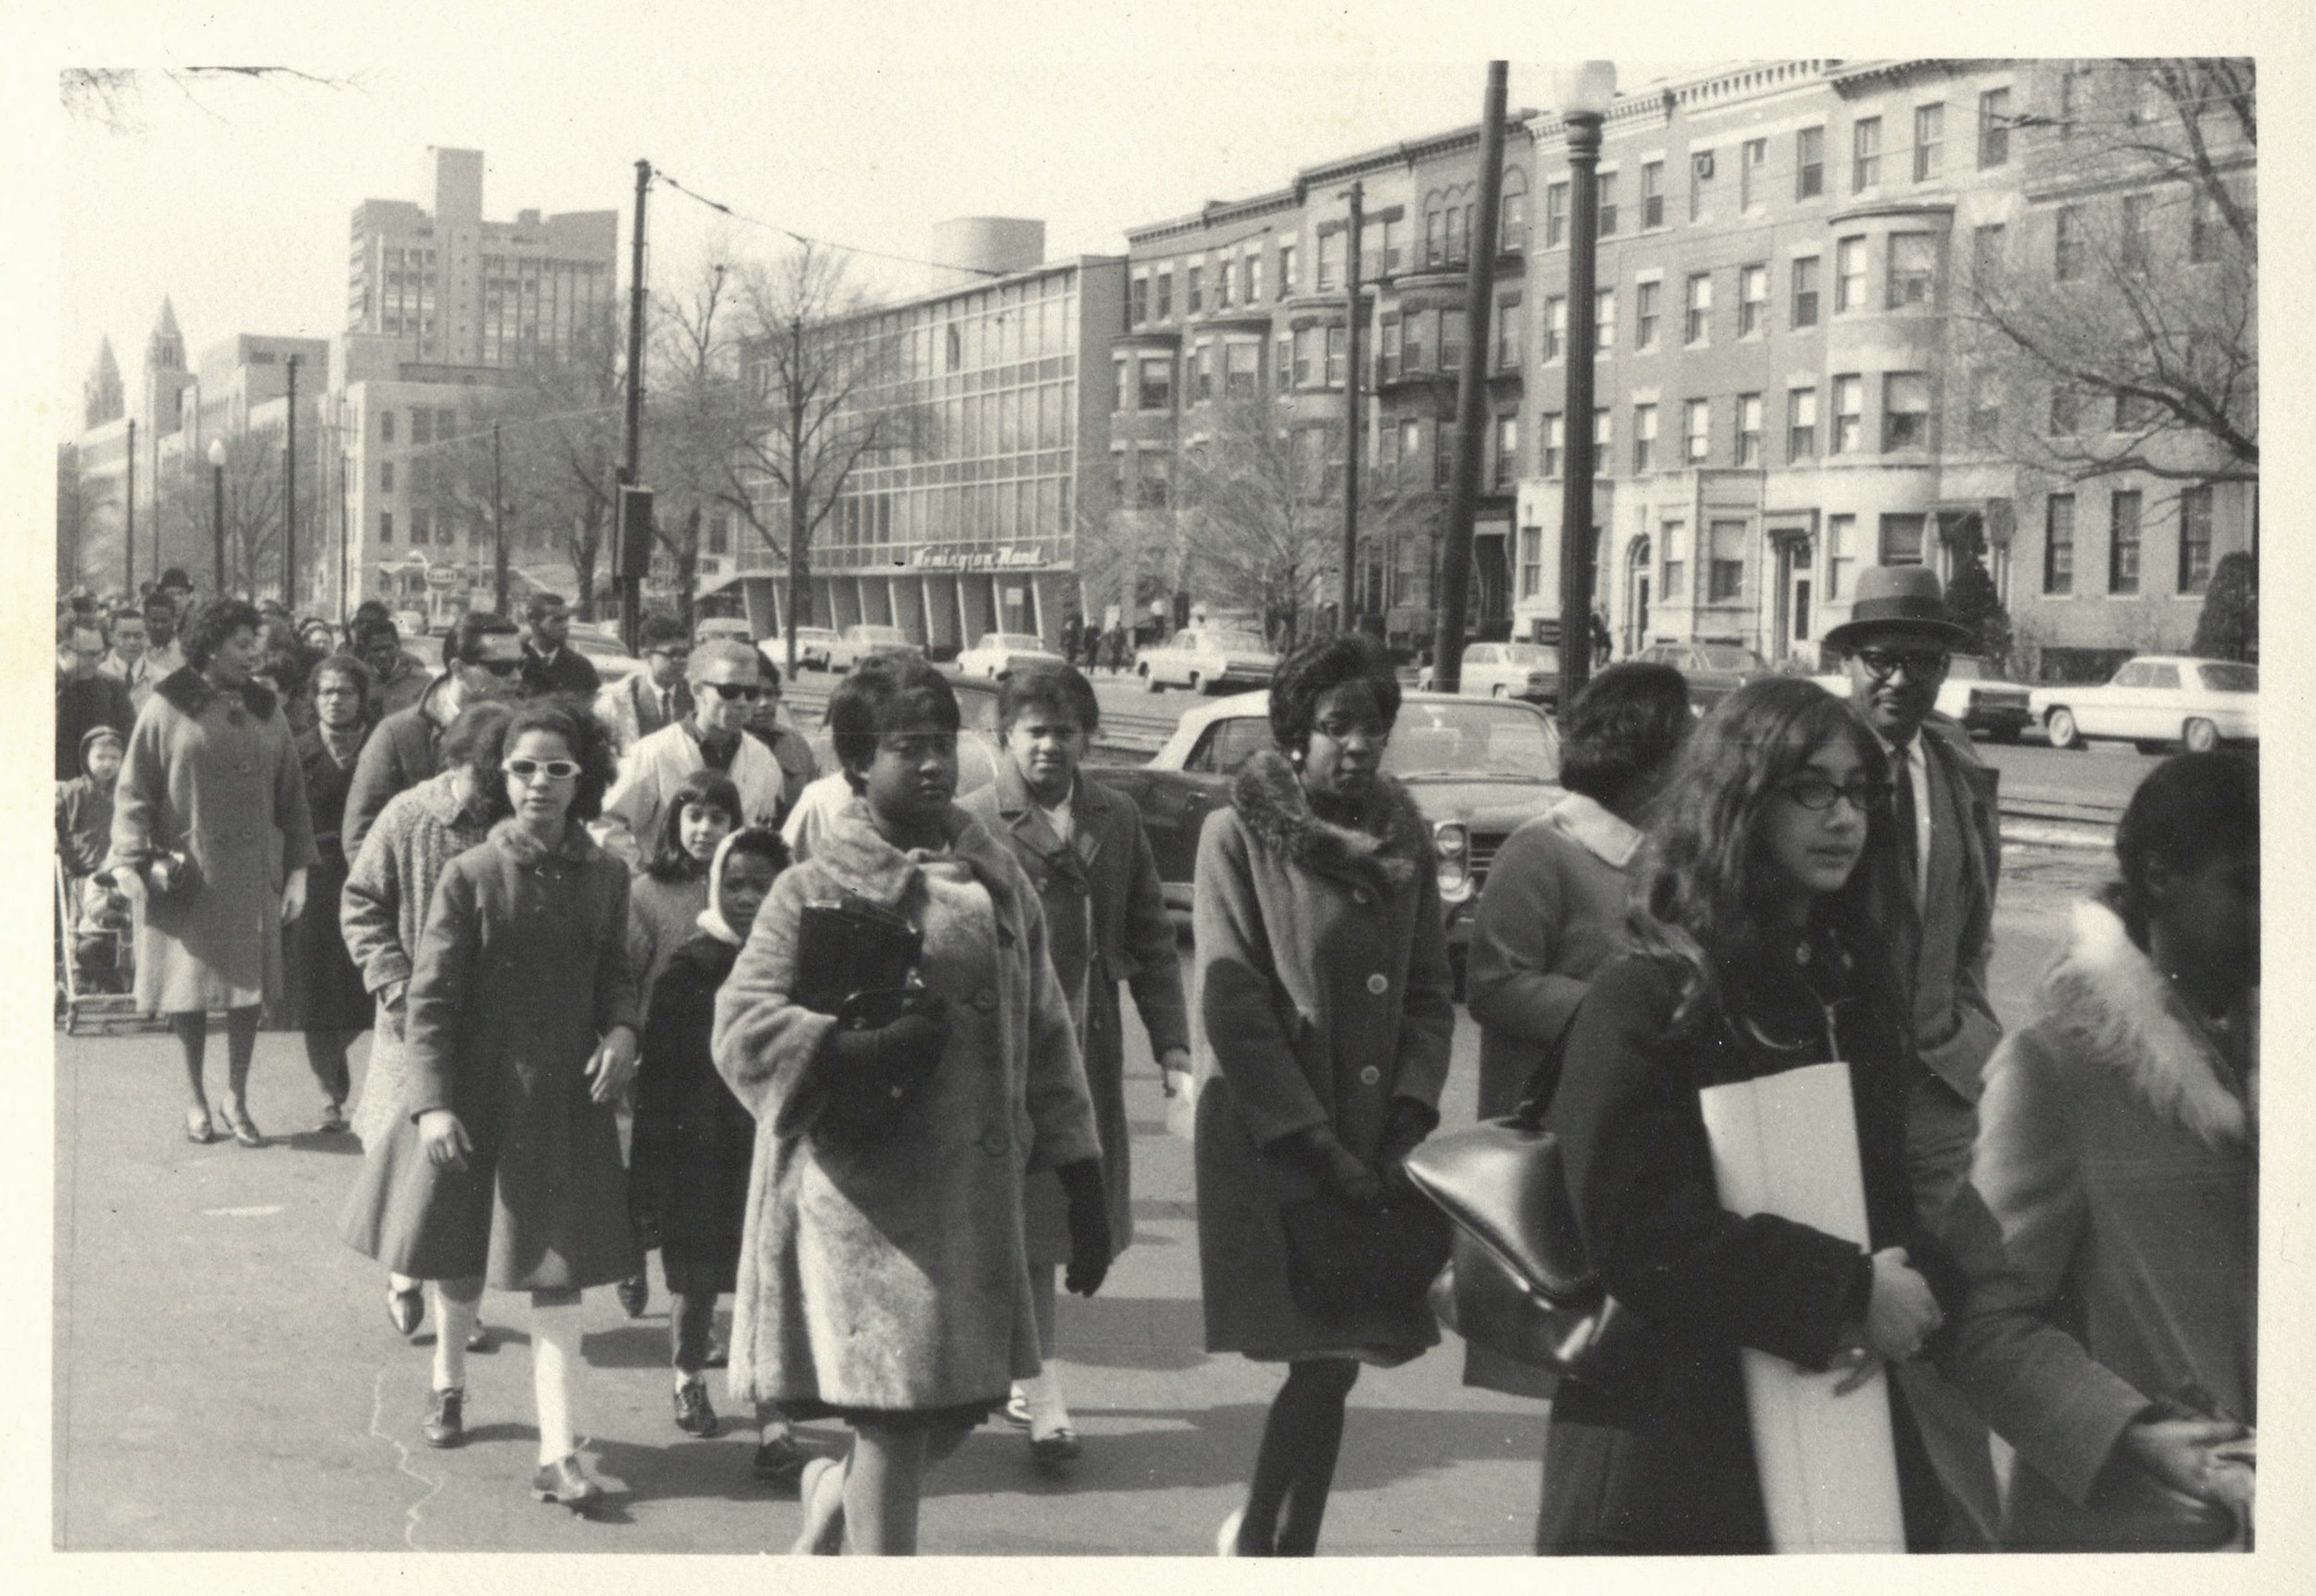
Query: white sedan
pixel 1206 660
pixel 865 641
pixel 1527 671
pixel 1001 653
pixel 2155 700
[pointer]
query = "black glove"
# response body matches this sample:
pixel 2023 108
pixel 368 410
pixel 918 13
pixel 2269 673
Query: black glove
pixel 875 1072
pixel 1336 1167
pixel 1089 1226
pixel 1402 1133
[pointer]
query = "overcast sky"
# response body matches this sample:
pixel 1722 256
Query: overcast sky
pixel 234 197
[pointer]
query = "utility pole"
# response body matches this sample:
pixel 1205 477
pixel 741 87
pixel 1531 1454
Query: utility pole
pixel 631 584
pixel 1343 619
pixel 345 539
pixel 498 531
pixel 797 508
pixel 289 499
pixel 129 532
pixel 1471 399
pixel 1586 95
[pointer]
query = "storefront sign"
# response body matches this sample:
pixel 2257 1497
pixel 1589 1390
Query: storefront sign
pixel 973 557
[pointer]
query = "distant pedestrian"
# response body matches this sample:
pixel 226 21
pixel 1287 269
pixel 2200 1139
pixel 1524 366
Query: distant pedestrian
pixel 883 1278
pixel 799 767
pixel 96 913
pixel 1072 630
pixel 87 696
pixel 656 696
pixel 399 678
pixel 1603 641
pixel 551 667
pixel 482 660
pixel 694 1143
pixel 212 840
pixel 520 1038
pixel 325 989
pixel 1115 649
pixel 1325 1010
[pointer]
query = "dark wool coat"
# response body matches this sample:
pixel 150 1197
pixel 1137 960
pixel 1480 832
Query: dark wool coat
pixel 84 703
pixel 2119 1149
pixel 402 751
pixel 1323 992
pixel 1106 922
pixel 521 969
pixel 891 1274
pixel 687 1168
pixel 570 674
pixel 325 989
pixel 1660 1458
pixel 212 774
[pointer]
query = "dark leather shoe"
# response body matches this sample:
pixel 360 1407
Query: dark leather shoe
pixel 563 1480
pixel 694 1415
pixel 333 1121
pixel 445 1425
pixel 479 1340
pixel 634 1294
pixel 780 1461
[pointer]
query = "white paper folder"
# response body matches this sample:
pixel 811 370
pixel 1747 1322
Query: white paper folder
pixel 1787 1144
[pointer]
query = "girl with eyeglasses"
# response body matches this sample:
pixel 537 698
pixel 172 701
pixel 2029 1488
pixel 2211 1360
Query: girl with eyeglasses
pixel 1752 952
pixel 520 1039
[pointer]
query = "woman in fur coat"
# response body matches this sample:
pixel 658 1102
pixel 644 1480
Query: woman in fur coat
pixel 883 1279
pixel 2119 1146
pixel 1324 1017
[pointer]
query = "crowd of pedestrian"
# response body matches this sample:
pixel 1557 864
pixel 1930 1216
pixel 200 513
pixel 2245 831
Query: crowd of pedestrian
pixel 849 1048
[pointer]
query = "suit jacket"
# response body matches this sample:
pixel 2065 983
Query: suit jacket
pixel 1942 943
pixel 630 707
pixel 570 674
pixel 402 752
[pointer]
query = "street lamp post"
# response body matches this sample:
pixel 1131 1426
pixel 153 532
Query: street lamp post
pixel 217 519
pixel 1585 90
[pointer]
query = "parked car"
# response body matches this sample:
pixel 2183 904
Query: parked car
pixel 1527 671
pixel 979 744
pixel 603 650
pixel 1477 769
pixel 713 627
pixel 862 641
pixel 2155 700
pixel 1000 653
pixel 1207 659
pixel 410 623
pixel 814 646
pixel 1975 693
pixel 1715 670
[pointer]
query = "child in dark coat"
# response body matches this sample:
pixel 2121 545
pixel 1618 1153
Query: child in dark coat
pixel 84 830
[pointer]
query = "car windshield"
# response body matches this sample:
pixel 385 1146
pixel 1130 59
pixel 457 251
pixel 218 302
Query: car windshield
pixel 880 633
pixel 1237 642
pixel 2231 678
pixel 1478 739
pixel 1530 654
pixel 1970 668
pixel 1014 640
pixel 1728 660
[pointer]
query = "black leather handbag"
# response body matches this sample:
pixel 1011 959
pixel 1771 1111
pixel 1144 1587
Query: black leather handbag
pixel 1518 1281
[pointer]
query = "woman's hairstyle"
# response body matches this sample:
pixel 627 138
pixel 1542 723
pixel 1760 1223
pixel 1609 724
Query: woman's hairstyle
pixel 1704 885
pixel 1056 689
pixel 476 742
pixel 1622 728
pixel 582 735
pixel 213 622
pixel 1315 670
pixel 463 643
pixel 889 691
pixel 712 788
pixel 2189 809
pixel 345 665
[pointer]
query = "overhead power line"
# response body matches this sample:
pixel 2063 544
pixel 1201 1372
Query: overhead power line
pixel 717 205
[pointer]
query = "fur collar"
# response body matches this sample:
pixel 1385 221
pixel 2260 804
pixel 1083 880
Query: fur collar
pixel 1269 799
pixel 188 692
pixel 520 841
pixel 2106 997
pixel 856 854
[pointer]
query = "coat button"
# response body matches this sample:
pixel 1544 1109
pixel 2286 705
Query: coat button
pixel 1370 1076
pixel 1379 983
pixel 984 1000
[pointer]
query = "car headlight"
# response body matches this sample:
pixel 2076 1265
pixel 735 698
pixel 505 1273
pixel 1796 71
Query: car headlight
pixel 1451 839
pixel 1452 842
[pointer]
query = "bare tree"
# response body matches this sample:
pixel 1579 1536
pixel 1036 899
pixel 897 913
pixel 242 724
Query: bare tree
pixel 254 505
pixel 113 97
pixel 699 416
pixel 827 391
pixel 2122 334
pixel 561 428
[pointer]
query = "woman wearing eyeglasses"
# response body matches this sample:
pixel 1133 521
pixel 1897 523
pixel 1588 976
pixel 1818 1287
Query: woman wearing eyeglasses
pixel 1752 951
pixel 726 684
pixel 520 1036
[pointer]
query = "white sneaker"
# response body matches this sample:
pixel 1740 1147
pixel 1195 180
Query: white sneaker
pixel 1226 1538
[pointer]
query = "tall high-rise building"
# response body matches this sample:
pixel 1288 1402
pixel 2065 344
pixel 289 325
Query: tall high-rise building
pixel 457 290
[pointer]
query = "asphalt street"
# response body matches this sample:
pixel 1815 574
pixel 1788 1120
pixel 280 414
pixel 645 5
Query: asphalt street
pixel 225 1378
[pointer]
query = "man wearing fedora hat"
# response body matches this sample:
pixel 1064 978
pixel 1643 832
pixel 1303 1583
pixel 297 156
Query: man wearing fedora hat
pixel 1936 902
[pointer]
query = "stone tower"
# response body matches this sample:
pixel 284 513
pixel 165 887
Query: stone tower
pixel 102 399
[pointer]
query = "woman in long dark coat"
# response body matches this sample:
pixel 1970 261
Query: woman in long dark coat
pixel 1324 1015
pixel 694 1142
pixel 326 990
pixel 520 1039
pixel 211 842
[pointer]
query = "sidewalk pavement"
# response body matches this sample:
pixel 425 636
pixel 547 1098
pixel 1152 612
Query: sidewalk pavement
pixel 225 1378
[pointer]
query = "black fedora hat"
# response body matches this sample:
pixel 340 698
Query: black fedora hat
pixel 1901 597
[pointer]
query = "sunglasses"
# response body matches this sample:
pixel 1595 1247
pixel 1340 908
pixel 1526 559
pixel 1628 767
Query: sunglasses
pixel 553 770
pixel 502 668
pixel 731 690
pixel 1816 792
pixel 1918 663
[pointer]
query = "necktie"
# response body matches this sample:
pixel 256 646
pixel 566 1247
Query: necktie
pixel 1902 768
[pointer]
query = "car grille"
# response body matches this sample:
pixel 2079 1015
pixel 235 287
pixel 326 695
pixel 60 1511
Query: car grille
pixel 1483 854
